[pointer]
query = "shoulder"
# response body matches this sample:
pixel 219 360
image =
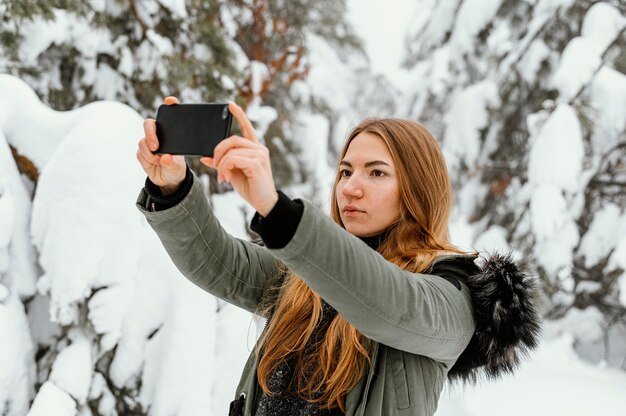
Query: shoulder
pixel 454 268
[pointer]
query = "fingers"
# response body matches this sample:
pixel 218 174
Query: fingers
pixel 149 127
pixel 246 126
pixel 147 166
pixel 208 161
pixel 244 160
pixel 234 142
pixel 147 155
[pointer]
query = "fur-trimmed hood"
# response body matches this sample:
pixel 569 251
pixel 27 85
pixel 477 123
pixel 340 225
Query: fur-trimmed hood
pixel 507 322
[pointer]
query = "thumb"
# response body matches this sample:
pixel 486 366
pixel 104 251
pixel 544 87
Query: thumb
pixel 170 100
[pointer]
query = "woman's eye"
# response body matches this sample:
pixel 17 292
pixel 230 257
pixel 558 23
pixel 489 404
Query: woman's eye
pixel 344 173
pixel 378 173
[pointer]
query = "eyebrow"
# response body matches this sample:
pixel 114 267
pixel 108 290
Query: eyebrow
pixel 367 164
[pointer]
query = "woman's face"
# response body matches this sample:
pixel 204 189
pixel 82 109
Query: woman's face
pixel 368 193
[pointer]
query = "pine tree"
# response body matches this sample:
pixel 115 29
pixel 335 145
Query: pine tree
pixel 128 51
pixel 503 88
pixel 73 53
pixel 138 52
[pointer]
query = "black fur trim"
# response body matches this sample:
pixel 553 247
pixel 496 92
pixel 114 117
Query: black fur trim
pixel 507 322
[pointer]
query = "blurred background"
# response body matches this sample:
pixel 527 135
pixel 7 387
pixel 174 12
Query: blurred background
pixel 526 97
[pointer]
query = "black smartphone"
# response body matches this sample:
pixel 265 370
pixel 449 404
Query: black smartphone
pixel 192 129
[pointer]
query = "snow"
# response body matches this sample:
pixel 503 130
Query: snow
pixel 312 132
pixel 72 369
pixel 18 126
pixel 180 357
pixel 472 17
pixel 146 313
pixel 608 225
pixel 543 11
pixel 98 255
pixel 494 240
pixel 554 381
pixel 262 116
pixel 149 60
pixel 17 255
pixel 177 7
pixel 583 325
pixel 583 55
pixel 381 25
pixel 98 265
pixel 64 28
pixel 464 122
pixel 549 211
pixel 579 61
pixel 436 19
pixel 259 73
pixel 163 45
pixel 108 82
pixel 52 400
pixel 602 24
pixel 17 363
pixel 500 40
pixel 331 79
pixel 6 225
pixel 608 99
pixel 555 231
pixel 71 223
pixel 560 135
pixel 537 53
pixel 618 259
pixel 440 70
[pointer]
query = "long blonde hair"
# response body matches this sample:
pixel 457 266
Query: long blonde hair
pixel 340 358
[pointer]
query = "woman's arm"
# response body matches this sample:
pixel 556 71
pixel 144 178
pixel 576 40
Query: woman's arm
pixel 229 268
pixel 418 313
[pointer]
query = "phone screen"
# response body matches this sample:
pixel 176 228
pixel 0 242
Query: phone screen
pixel 192 129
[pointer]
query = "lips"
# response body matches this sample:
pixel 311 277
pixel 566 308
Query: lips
pixel 351 210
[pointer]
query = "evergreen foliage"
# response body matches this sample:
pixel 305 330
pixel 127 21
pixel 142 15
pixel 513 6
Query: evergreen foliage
pixel 495 80
pixel 137 52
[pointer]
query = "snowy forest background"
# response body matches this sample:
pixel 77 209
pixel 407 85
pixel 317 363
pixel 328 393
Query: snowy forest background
pixel 527 97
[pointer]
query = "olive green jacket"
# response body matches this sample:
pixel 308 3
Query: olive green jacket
pixel 419 323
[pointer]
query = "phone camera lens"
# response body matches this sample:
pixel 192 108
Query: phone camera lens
pixel 225 113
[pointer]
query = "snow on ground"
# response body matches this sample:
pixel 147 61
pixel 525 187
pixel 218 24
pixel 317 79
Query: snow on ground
pixel 555 381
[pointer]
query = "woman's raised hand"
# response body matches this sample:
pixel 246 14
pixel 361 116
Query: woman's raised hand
pixel 245 163
pixel 166 171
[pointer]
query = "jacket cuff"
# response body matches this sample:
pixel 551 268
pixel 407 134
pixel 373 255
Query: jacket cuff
pixel 163 202
pixel 278 228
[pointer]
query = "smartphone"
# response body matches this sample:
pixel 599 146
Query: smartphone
pixel 192 129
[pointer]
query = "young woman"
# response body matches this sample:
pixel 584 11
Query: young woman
pixel 369 311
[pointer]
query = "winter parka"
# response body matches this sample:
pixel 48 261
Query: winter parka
pixel 455 320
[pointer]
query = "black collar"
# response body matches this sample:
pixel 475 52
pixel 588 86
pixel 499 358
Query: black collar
pixel 375 241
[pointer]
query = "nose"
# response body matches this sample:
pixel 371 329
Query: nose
pixel 352 187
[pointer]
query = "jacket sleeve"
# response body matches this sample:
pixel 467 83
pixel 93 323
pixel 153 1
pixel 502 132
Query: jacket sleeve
pixel 229 268
pixel 418 313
